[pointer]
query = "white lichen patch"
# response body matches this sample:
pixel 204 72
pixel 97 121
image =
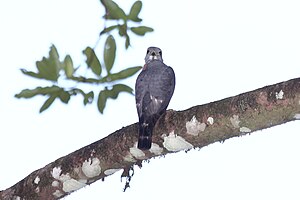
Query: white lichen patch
pixel 210 120
pixel 37 180
pixel 176 143
pixel 64 177
pixel 297 116
pixel 202 127
pixel 56 171
pixel 245 130
pixel 72 185
pixel 137 153
pixel 55 183
pixel 235 121
pixel 91 167
pixel 279 95
pixel 57 193
pixel 129 158
pixel 193 127
pixel 156 149
pixel 83 181
pixel 69 184
pixel 110 171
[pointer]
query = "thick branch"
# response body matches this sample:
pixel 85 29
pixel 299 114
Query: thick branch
pixel 182 130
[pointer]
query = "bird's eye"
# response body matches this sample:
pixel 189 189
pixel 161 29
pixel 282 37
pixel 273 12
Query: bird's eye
pixel 160 53
pixel 148 51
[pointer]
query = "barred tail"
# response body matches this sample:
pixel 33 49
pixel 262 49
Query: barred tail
pixel 145 133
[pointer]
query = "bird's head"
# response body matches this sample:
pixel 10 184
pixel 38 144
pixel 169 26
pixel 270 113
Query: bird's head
pixel 153 53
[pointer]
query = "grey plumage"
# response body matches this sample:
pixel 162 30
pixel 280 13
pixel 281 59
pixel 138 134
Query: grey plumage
pixel 154 89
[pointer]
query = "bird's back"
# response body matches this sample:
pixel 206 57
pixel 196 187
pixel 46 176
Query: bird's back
pixel 156 81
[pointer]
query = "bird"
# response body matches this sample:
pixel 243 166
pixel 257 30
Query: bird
pixel 154 89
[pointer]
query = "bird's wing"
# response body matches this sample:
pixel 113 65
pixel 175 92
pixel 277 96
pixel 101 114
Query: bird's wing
pixel 141 88
pixel 157 99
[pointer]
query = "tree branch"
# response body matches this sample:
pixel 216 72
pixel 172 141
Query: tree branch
pixel 176 130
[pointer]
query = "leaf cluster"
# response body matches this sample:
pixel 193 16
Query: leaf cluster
pixel 53 69
pixel 114 12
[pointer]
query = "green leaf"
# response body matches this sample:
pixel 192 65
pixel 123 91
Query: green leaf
pixel 92 61
pixel 32 74
pixel 108 29
pixel 102 97
pixel 126 73
pixel 113 11
pixel 122 29
pixel 141 30
pixel 64 96
pixel 75 91
pixel 127 42
pixel 53 92
pixel 49 68
pixel 88 98
pixel 109 53
pixel 135 11
pixel 68 66
pixel 113 94
pixel 48 102
pixel 28 93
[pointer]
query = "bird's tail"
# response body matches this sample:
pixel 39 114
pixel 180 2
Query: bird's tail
pixel 145 133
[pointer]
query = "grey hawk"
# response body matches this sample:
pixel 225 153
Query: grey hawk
pixel 153 91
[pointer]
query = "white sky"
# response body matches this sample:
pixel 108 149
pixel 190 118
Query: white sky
pixel 217 49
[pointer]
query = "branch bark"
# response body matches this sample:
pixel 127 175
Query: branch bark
pixel 176 130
